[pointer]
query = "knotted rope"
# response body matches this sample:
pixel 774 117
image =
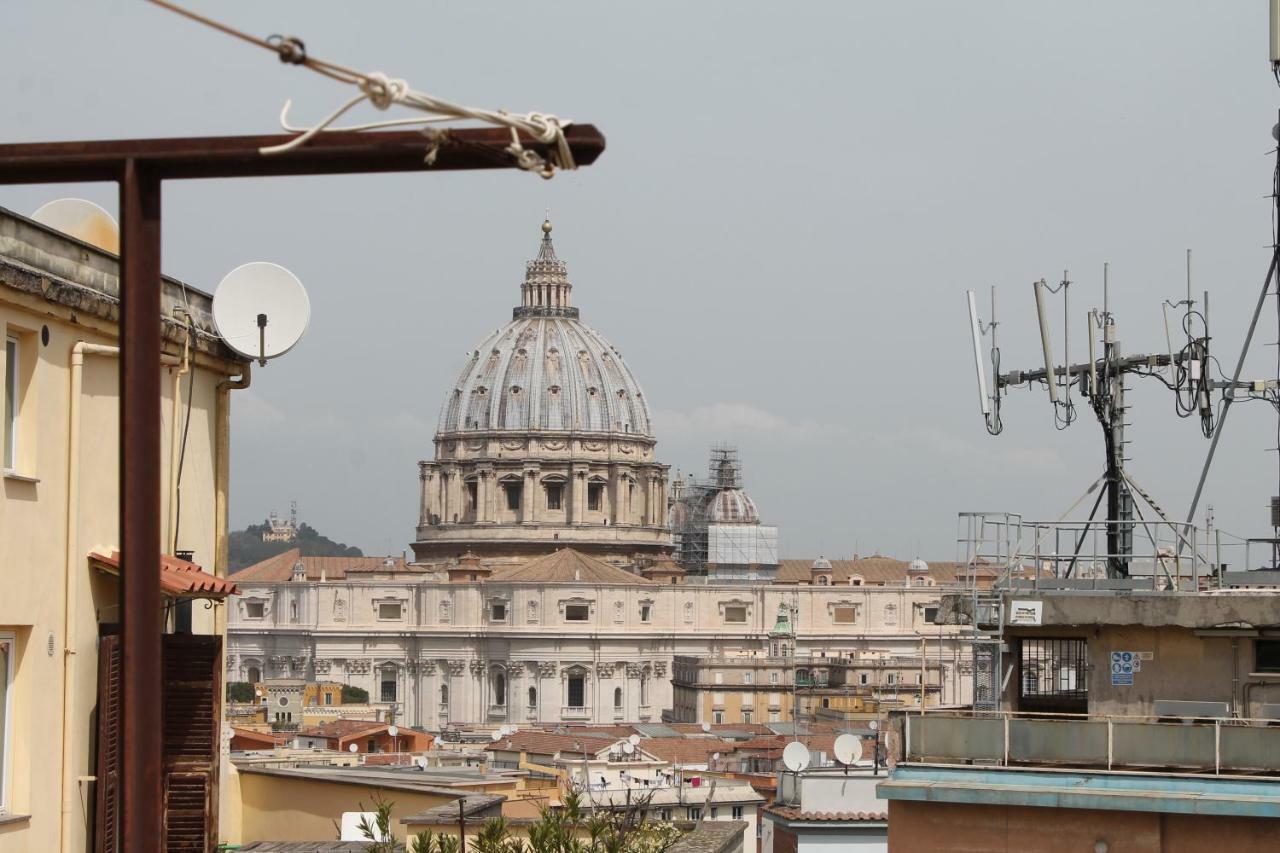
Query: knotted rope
pixel 383 92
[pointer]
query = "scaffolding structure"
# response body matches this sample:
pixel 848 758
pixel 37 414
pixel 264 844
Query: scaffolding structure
pixel 731 548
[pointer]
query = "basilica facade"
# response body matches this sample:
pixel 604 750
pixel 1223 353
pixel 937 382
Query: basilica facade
pixel 543 586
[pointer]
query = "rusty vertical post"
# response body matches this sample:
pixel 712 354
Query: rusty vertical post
pixel 140 762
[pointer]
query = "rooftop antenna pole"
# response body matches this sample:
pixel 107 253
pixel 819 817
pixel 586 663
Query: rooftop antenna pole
pixel 1262 296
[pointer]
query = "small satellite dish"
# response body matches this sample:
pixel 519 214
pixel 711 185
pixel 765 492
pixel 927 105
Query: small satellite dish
pixel 629 748
pixel 393 731
pixel 848 749
pixel 353 748
pixel 706 727
pixel 261 310
pixel 634 740
pixel 496 736
pixel 795 757
pixel 715 756
pixel 874 725
pixel 83 220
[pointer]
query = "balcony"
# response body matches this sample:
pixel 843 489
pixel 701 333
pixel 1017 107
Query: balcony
pixel 1113 743
pixel 575 712
pixel 497 712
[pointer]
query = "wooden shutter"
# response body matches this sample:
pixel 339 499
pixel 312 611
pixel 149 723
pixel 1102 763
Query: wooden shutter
pixel 192 722
pixel 107 799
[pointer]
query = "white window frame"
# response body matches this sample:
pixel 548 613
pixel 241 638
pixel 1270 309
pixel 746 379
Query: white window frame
pixel 386 602
pixel 736 813
pixel 6 724
pixel 12 394
pixel 255 602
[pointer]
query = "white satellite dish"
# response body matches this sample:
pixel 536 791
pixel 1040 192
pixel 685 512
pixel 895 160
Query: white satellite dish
pixel 353 748
pixel 496 736
pixel 706 727
pixel 634 740
pixel 795 757
pixel 393 731
pixel 629 748
pixel 261 310
pixel 874 725
pixel 715 756
pixel 848 748
pixel 83 220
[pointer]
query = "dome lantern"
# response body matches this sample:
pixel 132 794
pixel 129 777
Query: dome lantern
pixel 546 291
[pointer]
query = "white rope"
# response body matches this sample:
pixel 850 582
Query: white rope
pixel 384 92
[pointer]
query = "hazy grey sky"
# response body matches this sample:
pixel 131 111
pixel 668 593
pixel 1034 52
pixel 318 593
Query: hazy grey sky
pixel 778 238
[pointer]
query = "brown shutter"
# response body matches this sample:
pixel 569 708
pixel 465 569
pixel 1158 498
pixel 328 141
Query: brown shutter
pixel 107 805
pixel 191 695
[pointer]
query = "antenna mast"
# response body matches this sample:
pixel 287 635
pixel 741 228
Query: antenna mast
pixel 1101 382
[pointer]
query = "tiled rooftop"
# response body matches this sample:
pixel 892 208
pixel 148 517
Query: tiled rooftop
pixel 567 566
pixel 279 568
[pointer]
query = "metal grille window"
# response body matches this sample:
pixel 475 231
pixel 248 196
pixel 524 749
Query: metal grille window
pixel 1053 675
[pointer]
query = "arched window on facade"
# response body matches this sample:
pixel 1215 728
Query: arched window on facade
pixel 822 580
pixel 533 697
pixel 444 694
pixel 576 689
pixel 254 675
pixel 644 689
pixel 500 688
pixel 293 611
pixel 617 697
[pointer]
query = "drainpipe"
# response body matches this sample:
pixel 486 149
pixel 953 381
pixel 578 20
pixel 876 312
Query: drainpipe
pixel 175 437
pixel 222 472
pixel 221 484
pixel 71 574
pixel 1235 677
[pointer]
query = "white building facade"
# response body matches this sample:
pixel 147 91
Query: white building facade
pixel 448 652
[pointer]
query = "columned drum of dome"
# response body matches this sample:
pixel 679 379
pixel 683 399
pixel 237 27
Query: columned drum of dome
pixel 544 441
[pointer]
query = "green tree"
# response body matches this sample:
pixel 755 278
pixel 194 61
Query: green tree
pixel 377 832
pixel 247 548
pixel 239 691
pixel 352 695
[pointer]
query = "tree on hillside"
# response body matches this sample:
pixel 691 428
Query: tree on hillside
pixel 247 547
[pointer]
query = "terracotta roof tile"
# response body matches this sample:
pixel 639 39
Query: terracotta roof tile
pixel 684 750
pixel 279 568
pixel 342 728
pixel 178 578
pixel 791 813
pixel 546 743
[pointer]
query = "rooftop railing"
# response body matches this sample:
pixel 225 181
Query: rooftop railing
pixel 1003 738
pixel 1161 555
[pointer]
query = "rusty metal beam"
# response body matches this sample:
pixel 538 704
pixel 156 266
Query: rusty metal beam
pixel 140 166
pixel 141 627
pixel 239 157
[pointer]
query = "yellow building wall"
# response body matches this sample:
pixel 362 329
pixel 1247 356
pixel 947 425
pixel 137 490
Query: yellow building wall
pixel 33 548
pixel 733 705
pixel 277 808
